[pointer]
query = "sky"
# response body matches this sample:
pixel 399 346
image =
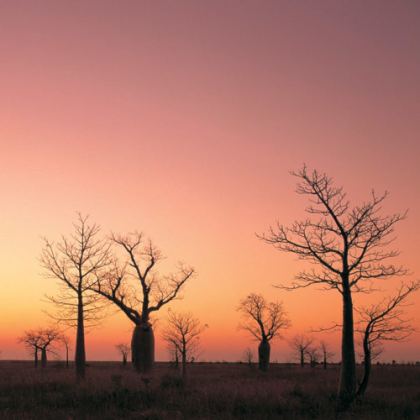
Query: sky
pixel 183 119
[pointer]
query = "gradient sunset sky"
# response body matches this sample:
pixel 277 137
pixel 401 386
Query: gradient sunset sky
pixel 182 119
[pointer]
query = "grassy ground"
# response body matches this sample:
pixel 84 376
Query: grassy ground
pixel 213 391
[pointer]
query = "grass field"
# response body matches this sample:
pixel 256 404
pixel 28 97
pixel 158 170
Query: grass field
pixel 213 391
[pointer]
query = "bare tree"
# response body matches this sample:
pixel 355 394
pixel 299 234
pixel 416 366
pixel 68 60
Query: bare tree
pixel 136 288
pixel 348 245
pixel 40 340
pixel 384 322
pixel 264 321
pixel 313 354
pixel 183 331
pixel 301 344
pixel 66 342
pixel 76 262
pixel 47 337
pixel 375 350
pixel 326 353
pixel 248 356
pixel 173 353
pixel 31 340
pixel 124 350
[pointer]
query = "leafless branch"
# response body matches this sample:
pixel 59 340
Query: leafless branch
pixel 263 320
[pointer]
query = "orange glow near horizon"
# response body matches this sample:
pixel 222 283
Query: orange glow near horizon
pixel 183 120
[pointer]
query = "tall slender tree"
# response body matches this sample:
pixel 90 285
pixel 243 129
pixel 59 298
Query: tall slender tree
pixel 76 262
pixel 264 321
pixel 326 353
pixel 183 331
pixel 348 244
pixel 65 340
pixel 300 344
pixel 381 322
pixel 137 289
pixel 32 341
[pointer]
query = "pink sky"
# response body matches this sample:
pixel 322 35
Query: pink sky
pixel 183 119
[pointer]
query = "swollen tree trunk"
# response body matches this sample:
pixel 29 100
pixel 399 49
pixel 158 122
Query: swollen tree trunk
pixel 36 357
pixel 80 357
pixel 43 357
pixel 264 355
pixel 367 364
pixel 347 384
pixel 302 358
pixel 143 347
pixel 325 361
pixel 124 360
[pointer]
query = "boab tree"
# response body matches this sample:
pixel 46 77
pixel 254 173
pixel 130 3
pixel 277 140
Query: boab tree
pixel 248 356
pixel 76 262
pixel 124 351
pixel 65 340
pixel 326 353
pixel 173 354
pixel 313 355
pixel 136 288
pixel 264 321
pixel 384 321
pixel 48 337
pixel 300 344
pixel 183 332
pixel 348 245
pixel 31 340
pixel 40 340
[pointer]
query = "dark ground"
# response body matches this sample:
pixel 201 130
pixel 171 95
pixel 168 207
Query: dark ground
pixel 213 391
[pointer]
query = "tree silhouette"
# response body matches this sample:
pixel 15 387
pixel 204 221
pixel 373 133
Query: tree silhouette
pixel 263 321
pixel 136 288
pixel 183 332
pixel 31 340
pixel 66 342
pixel 348 245
pixel 40 340
pixel 248 356
pixel 384 322
pixel 173 353
pixel 313 354
pixel 48 337
pixel 301 344
pixel 326 353
pixel 76 262
pixel 124 350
